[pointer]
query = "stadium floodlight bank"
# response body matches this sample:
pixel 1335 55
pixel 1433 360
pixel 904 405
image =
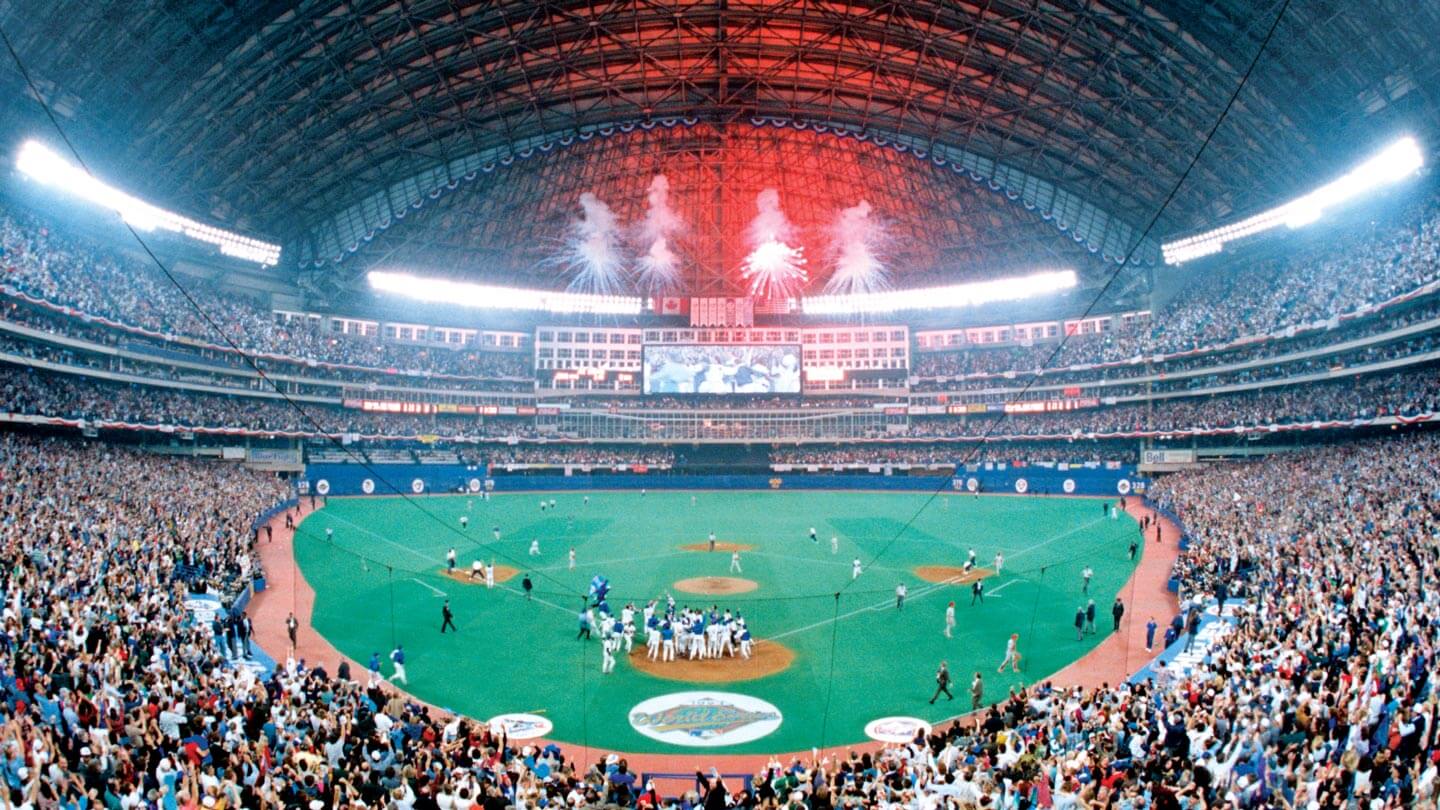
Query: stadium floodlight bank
pixel 957 295
pixel 43 165
pixel 485 296
pixel 1396 162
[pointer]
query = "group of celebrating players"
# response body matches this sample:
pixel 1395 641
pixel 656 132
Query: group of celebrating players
pixel 689 633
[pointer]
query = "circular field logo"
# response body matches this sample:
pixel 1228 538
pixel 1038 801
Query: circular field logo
pixel 474 485
pixel 896 729
pixel 1124 486
pixel 1022 486
pixel 417 486
pixel 521 726
pixel 1068 485
pixel 972 484
pixel 705 719
pixel 322 486
pixel 367 486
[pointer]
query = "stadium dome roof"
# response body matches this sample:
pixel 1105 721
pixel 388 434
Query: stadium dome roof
pixel 1011 129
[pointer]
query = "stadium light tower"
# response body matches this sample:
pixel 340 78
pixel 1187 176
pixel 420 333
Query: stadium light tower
pixel 42 164
pixel 485 296
pixel 1394 163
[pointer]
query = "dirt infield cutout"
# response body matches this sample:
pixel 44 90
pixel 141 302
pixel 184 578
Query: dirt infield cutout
pixel 951 574
pixel 503 573
pixel 720 545
pixel 767 658
pixel 716 586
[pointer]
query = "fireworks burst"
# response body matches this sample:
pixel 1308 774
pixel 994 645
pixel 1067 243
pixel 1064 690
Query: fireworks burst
pixel 592 252
pixel 774 269
pixel 659 268
pixel 857 240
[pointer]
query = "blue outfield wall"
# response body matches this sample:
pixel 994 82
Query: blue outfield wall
pixel 388 479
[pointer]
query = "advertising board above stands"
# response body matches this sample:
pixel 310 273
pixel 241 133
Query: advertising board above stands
pixel 395 331
pixel 1025 334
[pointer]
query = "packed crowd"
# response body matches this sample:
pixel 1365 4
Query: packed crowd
pixel 1404 393
pixel 1320 696
pixel 585 455
pixel 1029 453
pixel 1263 297
pixel 1415 390
pixel 1215 308
pixel 65 396
pixel 942 371
pixel 71 271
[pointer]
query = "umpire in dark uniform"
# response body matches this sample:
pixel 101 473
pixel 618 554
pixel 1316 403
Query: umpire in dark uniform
pixel 942 683
pixel 447 618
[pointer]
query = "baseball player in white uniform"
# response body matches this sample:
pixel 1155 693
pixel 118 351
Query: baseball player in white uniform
pixel 1012 654
pixel 608 646
pixel 855 569
pixel 735 562
pixel 535 547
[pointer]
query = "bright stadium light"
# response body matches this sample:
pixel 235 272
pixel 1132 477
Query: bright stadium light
pixel 1396 162
pixel 45 166
pixel 957 295
pixel 485 296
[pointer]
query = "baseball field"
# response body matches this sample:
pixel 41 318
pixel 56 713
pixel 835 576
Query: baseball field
pixel 832 653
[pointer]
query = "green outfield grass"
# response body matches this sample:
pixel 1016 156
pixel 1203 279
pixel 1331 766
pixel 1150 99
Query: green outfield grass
pixel 873 661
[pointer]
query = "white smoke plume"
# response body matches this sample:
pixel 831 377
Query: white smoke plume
pixel 593 251
pixel 774 268
pixel 857 239
pixel 659 268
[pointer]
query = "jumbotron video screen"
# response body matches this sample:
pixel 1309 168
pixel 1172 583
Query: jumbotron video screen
pixel 717 369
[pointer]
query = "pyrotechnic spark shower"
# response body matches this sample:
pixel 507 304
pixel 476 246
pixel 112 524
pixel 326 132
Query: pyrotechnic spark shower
pixel 659 268
pixel 592 253
pixel 774 269
pixel 857 238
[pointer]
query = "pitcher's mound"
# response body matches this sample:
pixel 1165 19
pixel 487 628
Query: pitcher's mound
pixel 503 573
pixel 951 574
pixel 720 545
pixel 716 586
pixel 766 658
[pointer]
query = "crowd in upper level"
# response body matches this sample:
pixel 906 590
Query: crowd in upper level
pixel 1246 299
pixel 1404 393
pixel 45 261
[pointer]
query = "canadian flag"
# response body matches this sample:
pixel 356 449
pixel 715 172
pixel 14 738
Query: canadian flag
pixel 674 306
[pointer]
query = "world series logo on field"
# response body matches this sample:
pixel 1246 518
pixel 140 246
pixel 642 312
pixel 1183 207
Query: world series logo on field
pixel 705 719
